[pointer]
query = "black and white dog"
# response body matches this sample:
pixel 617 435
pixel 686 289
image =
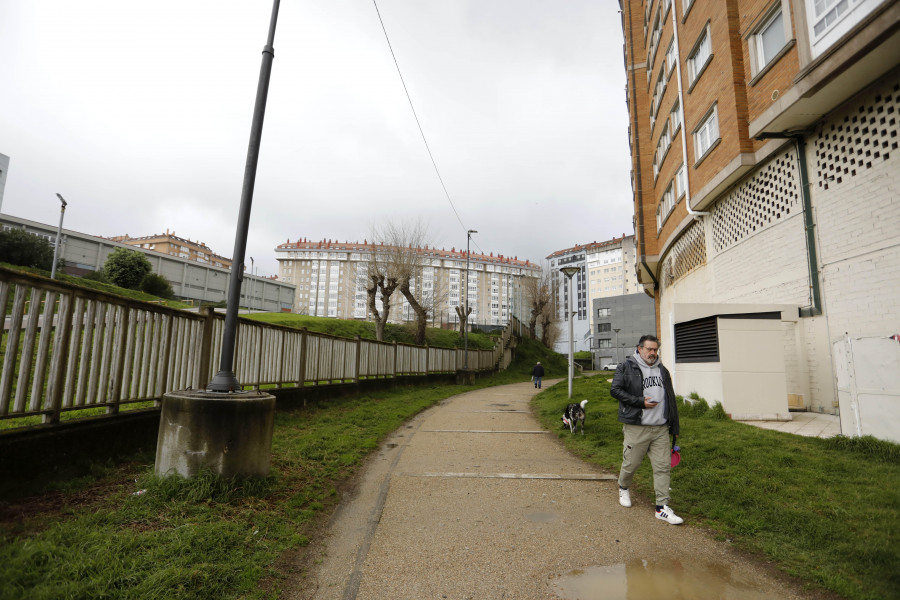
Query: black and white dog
pixel 573 415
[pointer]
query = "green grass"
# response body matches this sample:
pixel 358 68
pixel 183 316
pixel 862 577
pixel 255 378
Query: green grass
pixel 405 334
pixel 823 509
pixel 207 537
pixel 97 285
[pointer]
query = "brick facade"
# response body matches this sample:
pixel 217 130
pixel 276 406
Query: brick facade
pixel 748 245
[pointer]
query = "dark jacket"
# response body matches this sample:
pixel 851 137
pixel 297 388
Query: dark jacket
pixel 627 387
pixel 537 371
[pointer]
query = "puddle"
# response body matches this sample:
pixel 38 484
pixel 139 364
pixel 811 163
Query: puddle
pixel 541 517
pixel 662 580
pixel 498 404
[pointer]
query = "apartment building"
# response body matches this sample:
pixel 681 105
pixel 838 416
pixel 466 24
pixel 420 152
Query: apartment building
pixel 606 269
pixel 169 243
pixel 764 138
pixel 332 277
pixel 82 253
pixel 4 168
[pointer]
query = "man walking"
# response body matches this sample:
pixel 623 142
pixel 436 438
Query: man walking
pixel 536 373
pixel 643 387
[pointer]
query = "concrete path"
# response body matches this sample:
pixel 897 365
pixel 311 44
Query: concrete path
pixel 809 424
pixel 471 499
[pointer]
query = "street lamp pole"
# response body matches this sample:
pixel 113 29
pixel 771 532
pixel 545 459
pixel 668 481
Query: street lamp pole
pixel 62 213
pixel 250 291
pixel 466 335
pixel 225 380
pixel 570 272
pixel 617 344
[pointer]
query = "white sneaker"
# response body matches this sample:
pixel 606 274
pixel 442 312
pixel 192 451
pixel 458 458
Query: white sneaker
pixel 669 516
pixel 625 498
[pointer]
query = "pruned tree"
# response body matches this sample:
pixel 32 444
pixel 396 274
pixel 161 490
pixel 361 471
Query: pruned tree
pixel 403 260
pixel 538 296
pixel 463 312
pixel 549 326
pixel 379 281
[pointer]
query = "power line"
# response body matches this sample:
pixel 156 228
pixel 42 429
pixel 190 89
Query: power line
pixel 430 155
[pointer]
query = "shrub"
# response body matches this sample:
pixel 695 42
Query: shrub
pixel 127 268
pixel 157 285
pixel 717 412
pixel 18 247
pixel 96 276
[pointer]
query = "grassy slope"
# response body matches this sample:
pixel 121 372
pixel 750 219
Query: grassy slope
pixel 207 538
pixel 825 510
pixel 100 286
pixel 443 338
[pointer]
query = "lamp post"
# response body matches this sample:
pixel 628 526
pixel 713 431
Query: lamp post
pixel 617 344
pixel 225 380
pixel 62 213
pixel 570 272
pixel 466 334
pixel 250 291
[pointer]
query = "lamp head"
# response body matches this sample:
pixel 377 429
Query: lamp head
pixel 61 200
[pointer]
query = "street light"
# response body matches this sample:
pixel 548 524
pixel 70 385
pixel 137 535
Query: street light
pixel 62 213
pixel 570 272
pixel 225 380
pixel 617 344
pixel 466 334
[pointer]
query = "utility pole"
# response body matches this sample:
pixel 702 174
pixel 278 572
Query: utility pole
pixel 62 214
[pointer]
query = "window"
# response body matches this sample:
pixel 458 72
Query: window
pixel 604 327
pixel 675 117
pixel 770 39
pixel 665 207
pixel 828 12
pixel 680 182
pixel 658 91
pixel 707 133
pixel 603 312
pixel 699 56
pixel 604 343
pixel 671 57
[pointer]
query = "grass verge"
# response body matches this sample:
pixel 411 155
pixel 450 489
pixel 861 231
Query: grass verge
pixel 350 328
pixel 824 509
pixel 207 537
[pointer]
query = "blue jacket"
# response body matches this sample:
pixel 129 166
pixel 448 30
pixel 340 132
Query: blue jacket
pixel 627 387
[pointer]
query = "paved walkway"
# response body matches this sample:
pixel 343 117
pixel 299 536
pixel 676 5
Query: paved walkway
pixel 804 423
pixel 472 499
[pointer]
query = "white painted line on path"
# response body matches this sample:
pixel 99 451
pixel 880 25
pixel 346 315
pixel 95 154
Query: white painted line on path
pixel 576 476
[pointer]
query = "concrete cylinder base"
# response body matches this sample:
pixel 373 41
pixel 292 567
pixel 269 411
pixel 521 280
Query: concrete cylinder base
pixel 465 377
pixel 229 434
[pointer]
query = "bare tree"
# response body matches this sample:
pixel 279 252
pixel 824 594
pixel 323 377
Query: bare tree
pixel 406 261
pixel 538 295
pixel 463 314
pixel 380 280
pixel 549 326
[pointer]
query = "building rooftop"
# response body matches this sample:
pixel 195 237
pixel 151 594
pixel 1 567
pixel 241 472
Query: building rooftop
pixel 365 246
pixel 588 246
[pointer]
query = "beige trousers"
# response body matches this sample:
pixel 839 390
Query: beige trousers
pixel 652 440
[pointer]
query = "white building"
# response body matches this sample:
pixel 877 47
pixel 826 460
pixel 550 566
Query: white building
pixel 331 279
pixel 605 269
pixel 4 169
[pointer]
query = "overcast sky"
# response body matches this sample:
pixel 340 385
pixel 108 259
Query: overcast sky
pixel 139 114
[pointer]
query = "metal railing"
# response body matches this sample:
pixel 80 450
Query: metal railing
pixel 65 348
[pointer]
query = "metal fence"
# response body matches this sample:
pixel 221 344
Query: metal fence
pixel 66 348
